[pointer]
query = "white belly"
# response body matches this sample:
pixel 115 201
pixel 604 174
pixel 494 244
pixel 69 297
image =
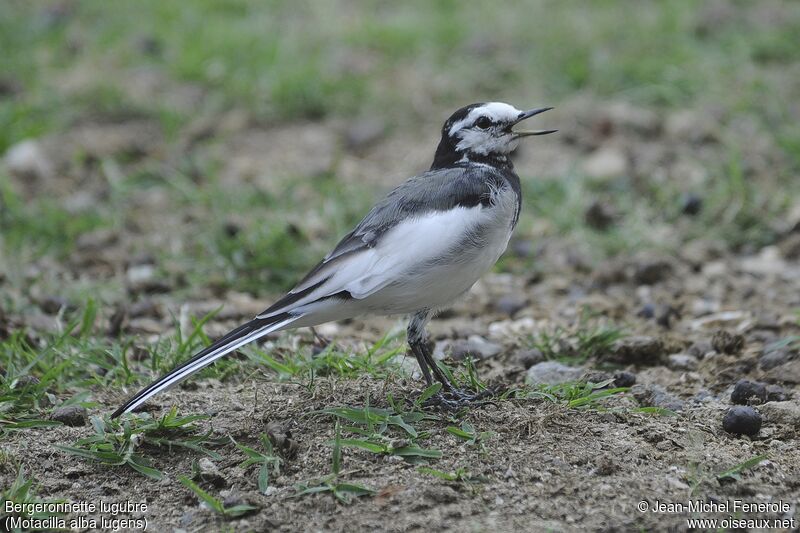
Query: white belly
pixel 436 282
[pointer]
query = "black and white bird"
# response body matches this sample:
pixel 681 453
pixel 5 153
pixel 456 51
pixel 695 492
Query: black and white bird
pixel 421 247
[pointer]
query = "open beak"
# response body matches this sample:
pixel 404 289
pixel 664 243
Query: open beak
pixel 528 114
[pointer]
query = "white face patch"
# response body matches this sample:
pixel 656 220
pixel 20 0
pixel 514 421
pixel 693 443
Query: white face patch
pixel 496 111
pixel 485 142
pixel 488 141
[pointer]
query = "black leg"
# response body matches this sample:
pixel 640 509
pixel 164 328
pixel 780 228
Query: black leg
pixel 423 365
pixel 425 349
pixel 449 397
pixel 417 340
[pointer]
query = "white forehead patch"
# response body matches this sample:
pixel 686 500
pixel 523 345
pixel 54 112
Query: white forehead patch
pixel 496 111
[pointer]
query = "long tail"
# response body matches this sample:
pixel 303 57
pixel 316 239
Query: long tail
pixel 240 336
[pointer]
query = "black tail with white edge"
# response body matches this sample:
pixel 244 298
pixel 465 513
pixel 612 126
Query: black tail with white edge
pixel 237 338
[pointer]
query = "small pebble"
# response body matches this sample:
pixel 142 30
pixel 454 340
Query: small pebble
pixel 775 393
pixel 528 358
pixel 624 379
pixel 70 415
pixel 599 215
pixel 656 396
pixel 25 381
pixel 748 393
pixel 475 347
pixel 665 315
pixel 724 341
pixel 650 272
pixel 510 304
pixel 234 499
pixel 639 349
pixel 700 348
pixel 682 361
pixel 742 420
pixel 210 473
pixel 647 311
pixel 597 376
pixel 773 358
pixel 552 373
pixel 691 204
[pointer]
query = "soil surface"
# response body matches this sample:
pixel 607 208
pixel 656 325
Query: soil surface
pixel 545 466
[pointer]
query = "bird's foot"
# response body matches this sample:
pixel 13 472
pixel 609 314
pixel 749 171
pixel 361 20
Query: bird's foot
pixel 457 399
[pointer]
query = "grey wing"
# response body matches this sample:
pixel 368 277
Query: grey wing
pixel 436 190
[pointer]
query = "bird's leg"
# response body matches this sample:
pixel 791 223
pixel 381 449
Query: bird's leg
pixel 450 397
pixel 320 340
pixel 418 342
pixel 423 365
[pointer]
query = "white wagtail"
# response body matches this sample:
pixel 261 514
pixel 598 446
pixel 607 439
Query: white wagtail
pixel 416 251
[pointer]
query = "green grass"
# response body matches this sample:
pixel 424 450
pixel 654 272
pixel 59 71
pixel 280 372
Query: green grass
pixel 579 395
pixel 215 504
pixel 266 460
pixel 375 59
pixel 735 472
pixel 22 491
pixel 588 339
pixel 467 433
pixel 343 491
pixel 701 475
pixel 42 226
pixel 378 360
pixel 62 368
pixel 130 441
pixel 385 431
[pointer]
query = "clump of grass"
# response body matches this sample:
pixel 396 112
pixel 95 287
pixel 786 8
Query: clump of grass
pixel 42 226
pixel 343 491
pixel 374 428
pixel 464 376
pixel 377 360
pixel 116 443
pixel 267 460
pixel 577 346
pixel 470 435
pixel 39 371
pixel 701 474
pixel 215 504
pixel 734 473
pixel 578 394
pixel 34 375
pixel 22 491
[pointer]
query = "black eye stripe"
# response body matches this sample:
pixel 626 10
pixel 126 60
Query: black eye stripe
pixel 483 122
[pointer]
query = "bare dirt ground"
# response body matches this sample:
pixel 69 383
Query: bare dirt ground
pixel 545 466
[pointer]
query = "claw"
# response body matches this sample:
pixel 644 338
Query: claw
pixel 457 399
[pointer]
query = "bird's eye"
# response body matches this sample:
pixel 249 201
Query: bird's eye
pixel 483 123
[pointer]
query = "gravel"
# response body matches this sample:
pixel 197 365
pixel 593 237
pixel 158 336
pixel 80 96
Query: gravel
pixel 749 393
pixel 724 341
pixel 640 349
pixel 71 415
pixel 742 420
pixel 624 379
pixel 552 373
pixel 682 361
pixel 656 396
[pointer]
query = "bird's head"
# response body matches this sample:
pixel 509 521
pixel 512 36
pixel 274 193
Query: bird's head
pixel 483 132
